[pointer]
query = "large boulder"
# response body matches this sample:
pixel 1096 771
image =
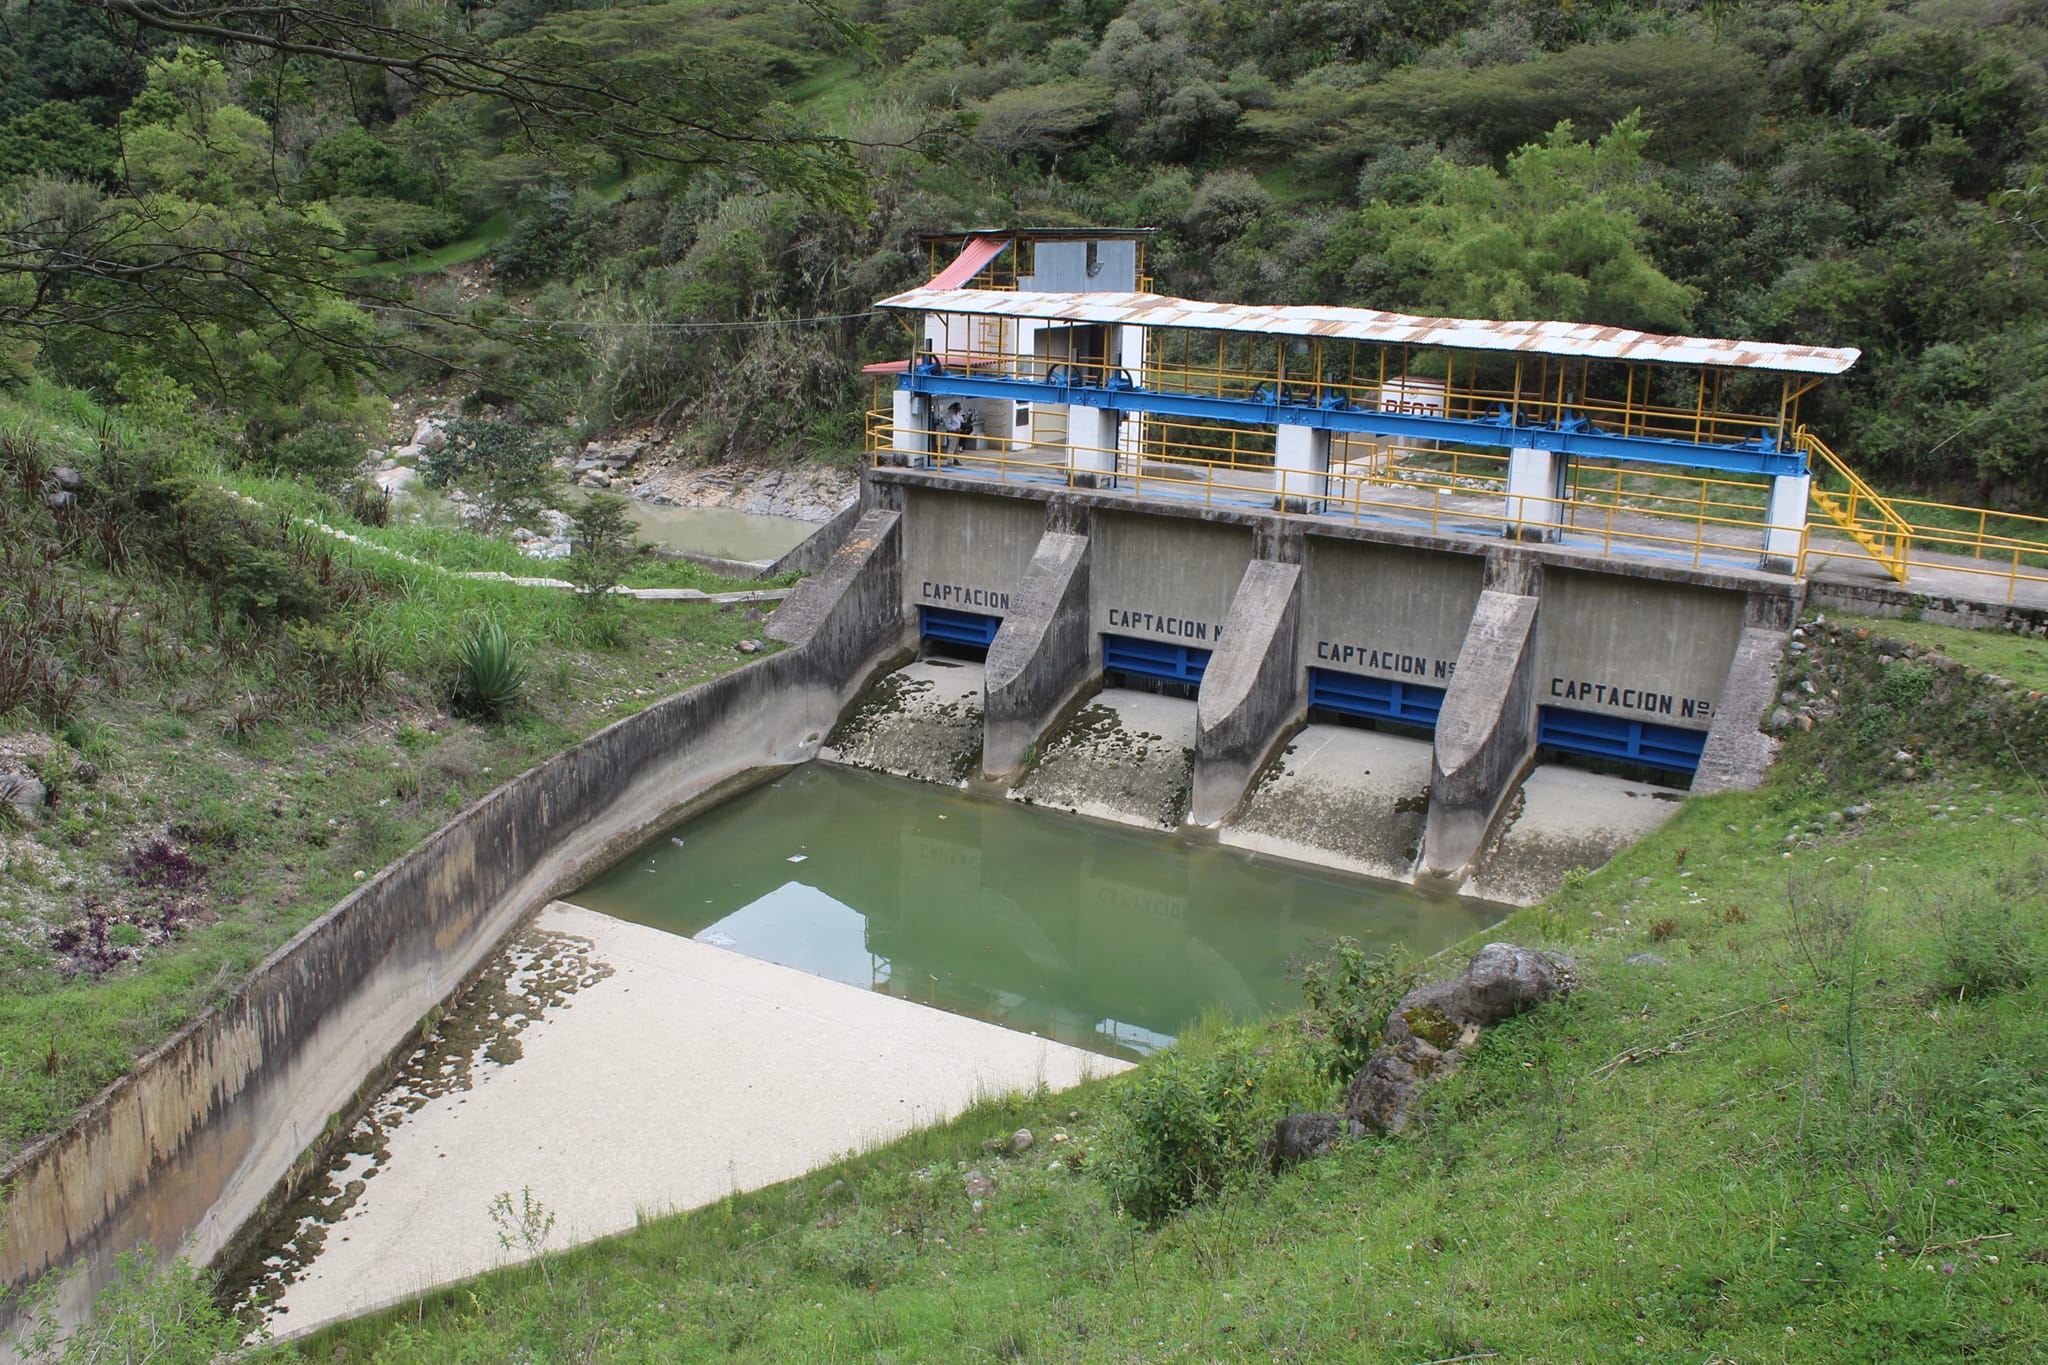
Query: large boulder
pixel 23 791
pixel 1501 982
pixel 429 433
pixel 1429 1032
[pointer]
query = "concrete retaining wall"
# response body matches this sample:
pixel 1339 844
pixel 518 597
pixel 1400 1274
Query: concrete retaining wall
pixel 1043 656
pixel 1386 611
pixel 182 1152
pixel 1485 733
pixel 818 547
pixel 1253 690
pixel 1895 600
pixel 1643 650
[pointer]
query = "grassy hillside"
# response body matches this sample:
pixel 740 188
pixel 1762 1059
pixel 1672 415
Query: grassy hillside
pixel 1811 1125
pixel 235 718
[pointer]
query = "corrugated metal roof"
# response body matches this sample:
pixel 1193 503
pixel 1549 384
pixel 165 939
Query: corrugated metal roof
pixel 978 252
pixel 1579 340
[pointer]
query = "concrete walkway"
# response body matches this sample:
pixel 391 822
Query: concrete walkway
pixel 656 1074
pixel 1626 533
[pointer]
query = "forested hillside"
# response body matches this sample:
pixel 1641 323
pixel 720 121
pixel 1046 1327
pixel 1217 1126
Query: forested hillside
pixel 294 238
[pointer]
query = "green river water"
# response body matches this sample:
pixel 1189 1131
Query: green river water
pixel 1098 936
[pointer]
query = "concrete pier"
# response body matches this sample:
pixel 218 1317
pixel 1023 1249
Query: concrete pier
pixel 1252 691
pixel 1738 751
pixel 1484 734
pixel 1043 656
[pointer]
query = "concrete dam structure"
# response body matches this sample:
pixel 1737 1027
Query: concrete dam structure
pixel 1395 704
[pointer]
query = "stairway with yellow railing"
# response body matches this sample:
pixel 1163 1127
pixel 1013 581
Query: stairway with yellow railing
pixel 1860 510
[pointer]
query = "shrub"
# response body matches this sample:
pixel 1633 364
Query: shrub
pixel 490 673
pixel 1187 1125
pixel 1349 995
pixel 603 536
pixel 369 505
pixel 1986 949
pixel 505 465
pixel 166 1316
pixel 322 455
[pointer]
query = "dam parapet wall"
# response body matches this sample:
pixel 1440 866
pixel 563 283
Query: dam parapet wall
pixel 1497 655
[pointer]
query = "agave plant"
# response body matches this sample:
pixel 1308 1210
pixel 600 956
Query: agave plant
pixel 490 673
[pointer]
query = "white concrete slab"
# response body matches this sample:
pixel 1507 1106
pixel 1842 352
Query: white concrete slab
pixel 1563 819
pixel 1126 756
pixel 686 1073
pixel 923 721
pixel 1340 797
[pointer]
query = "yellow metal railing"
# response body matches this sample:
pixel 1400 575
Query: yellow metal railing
pixel 1869 518
pixel 1441 508
pixel 1975 540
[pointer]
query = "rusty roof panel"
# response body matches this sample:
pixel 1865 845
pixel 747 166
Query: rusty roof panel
pixel 1578 340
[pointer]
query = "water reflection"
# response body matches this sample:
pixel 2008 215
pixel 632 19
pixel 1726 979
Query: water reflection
pixel 1095 935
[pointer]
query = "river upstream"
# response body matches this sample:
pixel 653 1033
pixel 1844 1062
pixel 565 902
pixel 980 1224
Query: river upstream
pixel 815 966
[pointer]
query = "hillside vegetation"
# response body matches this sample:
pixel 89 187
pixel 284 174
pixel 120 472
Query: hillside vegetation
pixel 1861 173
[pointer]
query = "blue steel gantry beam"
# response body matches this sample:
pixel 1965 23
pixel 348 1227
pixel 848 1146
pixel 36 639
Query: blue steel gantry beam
pixel 1581 439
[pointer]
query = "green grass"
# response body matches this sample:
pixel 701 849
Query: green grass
pixel 1815 1129
pixel 2020 658
pixel 439 538
pixel 461 251
pixel 828 94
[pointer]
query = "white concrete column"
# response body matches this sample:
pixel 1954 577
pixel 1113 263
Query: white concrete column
pixel 1091 446
pixel 911 428
pixel 1301 468
pixel 1535 491
pixel 1027 350
pixel 1130 342
pixel 1791 496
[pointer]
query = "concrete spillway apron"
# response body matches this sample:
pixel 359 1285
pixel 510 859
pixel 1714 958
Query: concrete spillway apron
pixel 685 1074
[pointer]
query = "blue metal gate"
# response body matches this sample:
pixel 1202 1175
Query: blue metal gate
pixel 1153 659
pixel 1627 741
pixel 1375 698
pixel 958 627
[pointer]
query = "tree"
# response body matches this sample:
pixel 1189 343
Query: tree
pixel 1557 234
pixel 602 533
pixel 193 270
pixel 566 99
pixel 505 466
